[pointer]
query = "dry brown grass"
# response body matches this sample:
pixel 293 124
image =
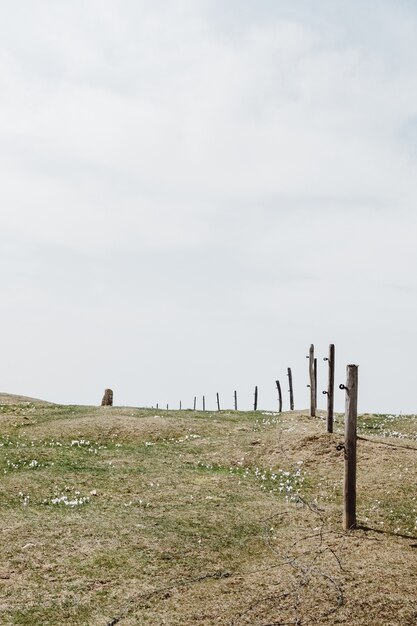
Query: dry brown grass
pixel 186 524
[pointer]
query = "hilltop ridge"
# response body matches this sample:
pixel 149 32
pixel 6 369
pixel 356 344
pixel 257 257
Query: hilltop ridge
pixel 10 398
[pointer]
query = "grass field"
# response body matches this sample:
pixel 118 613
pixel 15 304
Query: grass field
pixel 135 516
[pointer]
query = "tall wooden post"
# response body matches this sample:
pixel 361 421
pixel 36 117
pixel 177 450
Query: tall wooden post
pixel 255 402
pixel 195 403
pixel 290 389
pixel 157 406
pixel 330 388
pixel 218 402
pixel 315 384
pixel 204 403
pixel 313 378
pixel 279 396
pixel 351 414
pixel 235 400
pixel 167 407
pixel 180 405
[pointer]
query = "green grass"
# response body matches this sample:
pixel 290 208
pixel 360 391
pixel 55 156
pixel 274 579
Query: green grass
pixel 187 517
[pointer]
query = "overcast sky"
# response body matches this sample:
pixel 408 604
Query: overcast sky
pixel 192 192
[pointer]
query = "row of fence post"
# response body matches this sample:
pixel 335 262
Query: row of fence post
pixel 255 401
pixel 108 396
pixel 330 386
pixel 313 389
pixel 351 412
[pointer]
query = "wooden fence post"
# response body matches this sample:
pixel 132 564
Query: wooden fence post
pixel 235 400
pixel 218 402
pixel 330 388
pixel 180 405
pixel 313 378
pixel 290 389
pixel 255 402
pixel 204 403
pixel 167 407
pixel 195 403
pixel 315 385
pixel 351 414
pixel 279 396
pixel 157 406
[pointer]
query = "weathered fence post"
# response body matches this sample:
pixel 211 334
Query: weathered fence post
pixel 204 403
pixel 255 402
pixel 351 414
pixel 290 389
pixel 107 398
pixel 235 400
pixel 330 388
pixel 218 402
pixel 157 406
pixel 312 370
pixel 167 407
pixel 279 396
pixel 180 405
pixel 195 403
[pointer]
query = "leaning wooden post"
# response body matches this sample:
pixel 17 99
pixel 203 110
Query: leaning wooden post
pixel 279 395
pixel 290 389
pixel 255 402
pixel 218 402
pixel 313 378
pixel 235 400
pixel 351 414
pixel 330 388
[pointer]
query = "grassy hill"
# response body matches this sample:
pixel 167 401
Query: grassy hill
pixel 135 516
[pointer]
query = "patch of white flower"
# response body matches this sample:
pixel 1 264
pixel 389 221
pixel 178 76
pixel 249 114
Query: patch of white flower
pixel 287 483
pixel 384 427
pixel 24 498
pixel 71 501
pixel 284 482
pixel 22 464
pixel 80 442
pixel 76 501
pixel 91 447
pixel 189 437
